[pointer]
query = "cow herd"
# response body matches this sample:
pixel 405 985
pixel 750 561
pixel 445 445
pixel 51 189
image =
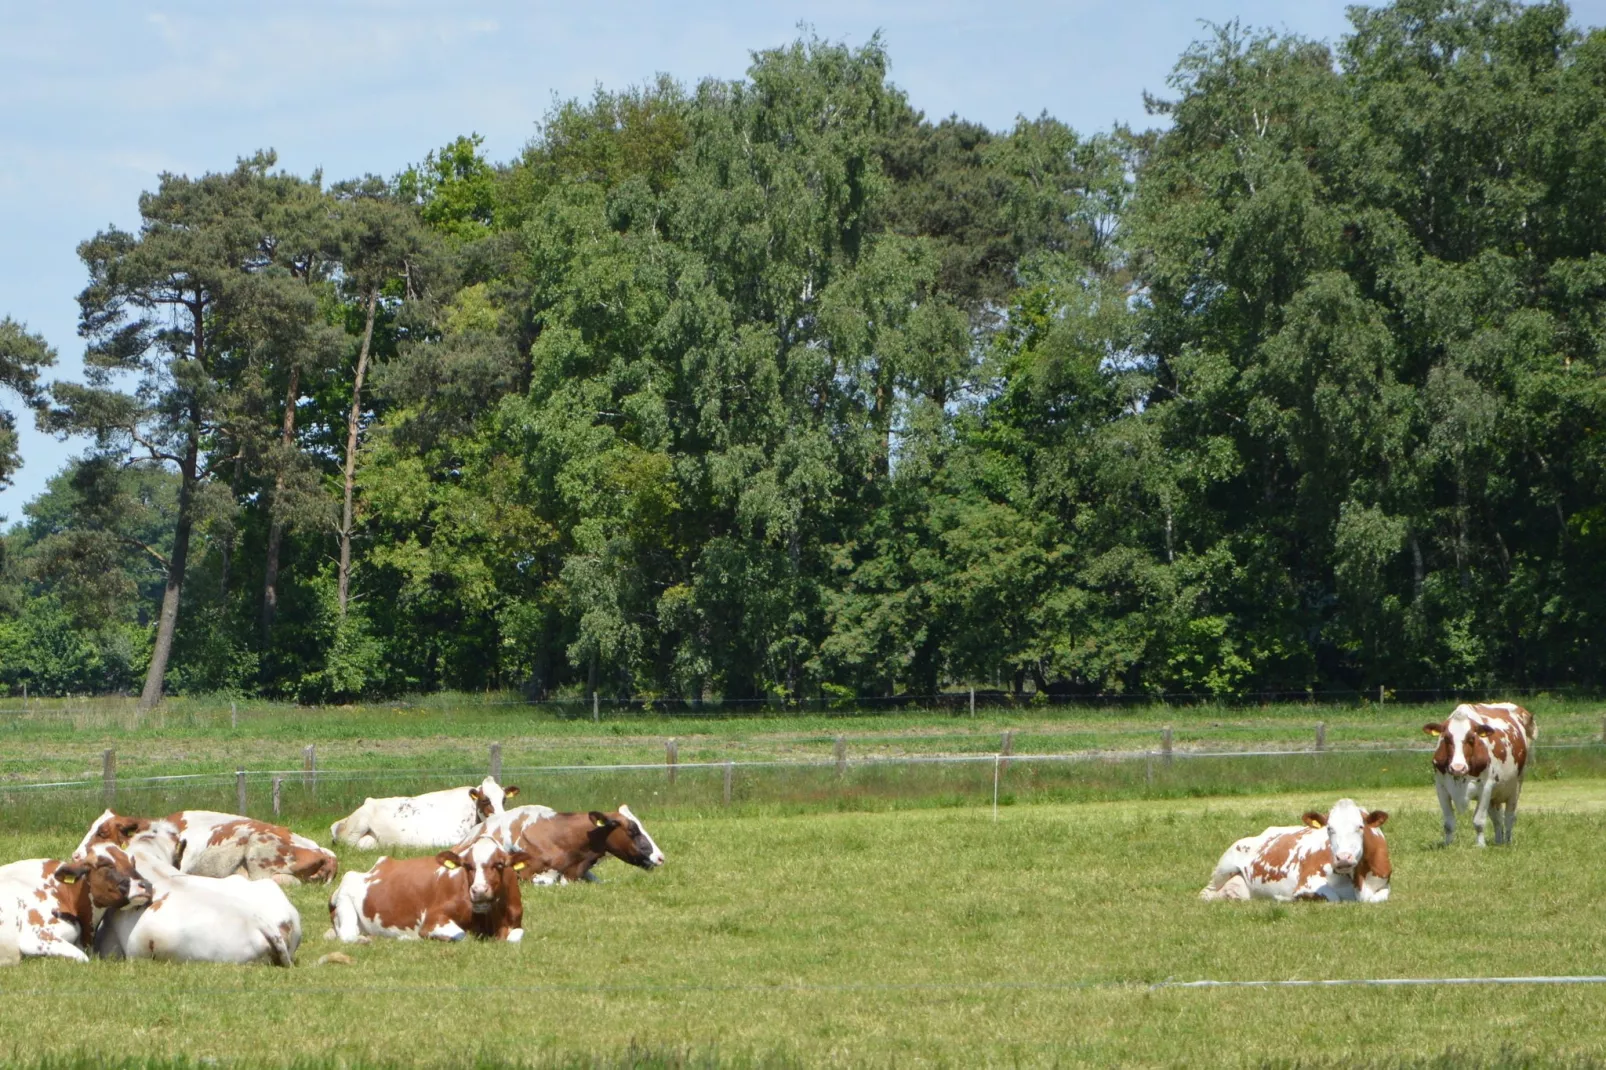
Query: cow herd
pixel 1342 855
pixel 201 886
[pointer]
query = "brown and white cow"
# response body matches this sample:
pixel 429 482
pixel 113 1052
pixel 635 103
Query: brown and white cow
pixel 447 896
pixel 564 847
pixel 192 918
pixel 52 908
pixel 435 819
pixel 1479 763
pixel 207 843
pixel 1339 856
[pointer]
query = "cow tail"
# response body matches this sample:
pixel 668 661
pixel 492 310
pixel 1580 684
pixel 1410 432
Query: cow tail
pixel 1528 724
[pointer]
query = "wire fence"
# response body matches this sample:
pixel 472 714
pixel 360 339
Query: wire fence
pixel 737 786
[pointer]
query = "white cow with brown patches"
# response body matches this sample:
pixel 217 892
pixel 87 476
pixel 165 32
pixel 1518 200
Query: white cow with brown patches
pixel 50 908
pixel 565 847
pixel 435 819
pixel 192 918
pixel 208 843
pixel 1339 856
pixel 470 891
pixel 1479 764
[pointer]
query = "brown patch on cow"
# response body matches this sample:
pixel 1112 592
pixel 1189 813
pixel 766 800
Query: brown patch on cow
pixel 1271 862
pixel 118 830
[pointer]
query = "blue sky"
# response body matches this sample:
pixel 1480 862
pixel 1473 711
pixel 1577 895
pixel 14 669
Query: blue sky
pixel 96 100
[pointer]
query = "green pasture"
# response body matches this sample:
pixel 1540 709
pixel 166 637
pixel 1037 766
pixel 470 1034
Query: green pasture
pixel 913 937
pixel 64 739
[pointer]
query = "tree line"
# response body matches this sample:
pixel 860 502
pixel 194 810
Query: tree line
pixel 776 388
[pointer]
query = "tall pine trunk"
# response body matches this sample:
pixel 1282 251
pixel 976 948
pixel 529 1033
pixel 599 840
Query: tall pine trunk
pixel 352 423
pixel 270 588
pixel 167 625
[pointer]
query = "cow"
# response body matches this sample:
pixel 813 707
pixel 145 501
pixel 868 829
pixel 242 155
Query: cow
pixel 437 819
pixel 52 907
pixel 191 918
pixel 1483 749
pixel 447 896
pixel 211 844
pixel 1339 856
pixel 564 847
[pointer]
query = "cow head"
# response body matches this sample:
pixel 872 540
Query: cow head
pixel 113 880
pixel 1347 828
pixel 622 835
pixel 490 797
pixel 1463 748
pixel 491 871
pixel 111 828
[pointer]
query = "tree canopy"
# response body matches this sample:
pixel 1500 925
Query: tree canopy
pixel 775 388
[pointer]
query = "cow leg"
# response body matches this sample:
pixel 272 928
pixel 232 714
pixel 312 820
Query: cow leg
pixel 446 930
pixel 1447 808
pixel 1480 817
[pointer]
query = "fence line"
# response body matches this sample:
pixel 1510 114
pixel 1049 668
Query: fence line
pixel 839 763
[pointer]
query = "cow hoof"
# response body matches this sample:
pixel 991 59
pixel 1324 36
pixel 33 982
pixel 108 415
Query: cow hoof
pixel 335 958
pixel 515 935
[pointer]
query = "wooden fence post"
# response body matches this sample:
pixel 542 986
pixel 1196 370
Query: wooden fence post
pixel 730 769
pixel 596 709
pixel 309 768
pixel 973 702
pixel 671 757
pixel 1006 747
pixel 239 791
pixel 1165 744
pixel 1321 735
pixel 234 715
pixel 108 776
pixel 278 784
pixel 496 762
pixel 1380 694
pixel 841 755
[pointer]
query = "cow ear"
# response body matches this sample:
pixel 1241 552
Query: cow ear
pixel 1433 729
pixel 72 872
pixel 1484 730
pixel 1314 820
pixel 519 860
pixel 128 826
pixel 474 793
pixel 448 859
pixel 508 793
pixel 599 819
pixel 1376 818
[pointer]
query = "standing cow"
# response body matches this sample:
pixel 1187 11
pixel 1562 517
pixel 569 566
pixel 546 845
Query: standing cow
pixel 1339 856
pixel 1483 751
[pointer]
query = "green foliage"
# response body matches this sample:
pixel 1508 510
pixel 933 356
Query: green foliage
pixel 771 388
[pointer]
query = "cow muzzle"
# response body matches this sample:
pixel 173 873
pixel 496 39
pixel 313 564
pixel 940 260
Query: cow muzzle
pixel 481 903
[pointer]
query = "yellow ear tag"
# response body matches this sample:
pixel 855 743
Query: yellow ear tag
pixel 518 865
pixel 1314 824
pixel 1435 733
pixel 69 879
pixel 449 865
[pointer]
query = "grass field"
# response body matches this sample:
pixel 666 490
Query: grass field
pixel 932 937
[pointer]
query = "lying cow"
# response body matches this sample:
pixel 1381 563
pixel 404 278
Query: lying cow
pixel 437 819
pixel 1483 751
pixel 1340 856
pixel 564 847
pixel 211 844
pixel 451 895
pixel 52 908
pixel 191 918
